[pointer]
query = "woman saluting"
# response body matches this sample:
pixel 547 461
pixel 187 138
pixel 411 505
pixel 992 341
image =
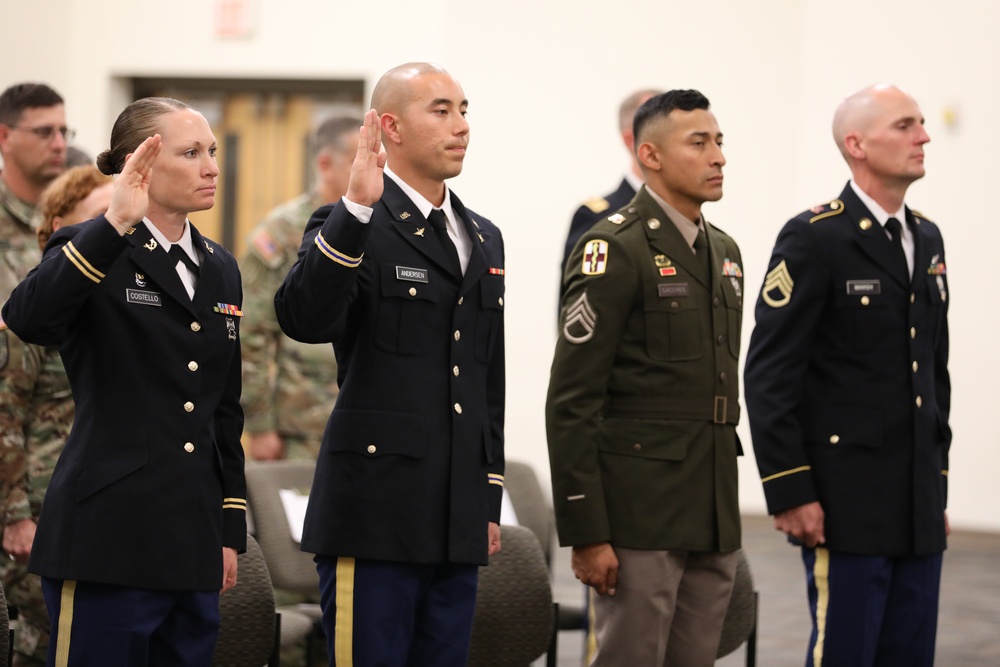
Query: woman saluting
pixel 146 510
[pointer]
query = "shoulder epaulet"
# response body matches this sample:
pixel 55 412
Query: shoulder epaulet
pixel 828 210
pixel 597 204
pixel 918 214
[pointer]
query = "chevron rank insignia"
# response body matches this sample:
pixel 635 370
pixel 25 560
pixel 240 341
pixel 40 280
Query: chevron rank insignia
pixel 595 258
pixel 580 321
pixel 778 286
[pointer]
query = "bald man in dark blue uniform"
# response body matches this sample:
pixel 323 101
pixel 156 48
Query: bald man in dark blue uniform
pixel 408 285
pixel 848 395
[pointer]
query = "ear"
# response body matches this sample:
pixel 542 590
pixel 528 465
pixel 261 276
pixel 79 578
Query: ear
pixel 390 128
pixel 323 161
pixel 629 139
pixel 852 143
pixel 57 222
pixel 649 156
pixel 4 132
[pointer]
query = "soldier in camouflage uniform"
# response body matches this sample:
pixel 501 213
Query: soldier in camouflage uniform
pixel 36 409
pixel 289 388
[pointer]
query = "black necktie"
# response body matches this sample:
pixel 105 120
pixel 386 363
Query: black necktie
pixel 701 254
pixel 177 253
pixel 440 225
pixel 896 232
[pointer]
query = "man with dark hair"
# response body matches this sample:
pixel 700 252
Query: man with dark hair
pixel 597 208
pixel 643 401
pixel 848 394
pixel 289 388
pixel 33 139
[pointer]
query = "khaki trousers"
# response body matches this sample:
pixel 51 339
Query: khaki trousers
pixel 668 610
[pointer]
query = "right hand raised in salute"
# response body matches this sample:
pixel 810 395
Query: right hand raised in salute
pixel 365 187
pixel 131 196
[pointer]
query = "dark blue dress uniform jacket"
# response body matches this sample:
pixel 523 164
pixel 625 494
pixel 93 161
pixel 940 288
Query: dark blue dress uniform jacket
pixel 846 380
pixel 411 466
pixel 150 485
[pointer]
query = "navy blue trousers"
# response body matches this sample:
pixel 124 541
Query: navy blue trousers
pixel 382 614
pixel 870 611
pixel 99 625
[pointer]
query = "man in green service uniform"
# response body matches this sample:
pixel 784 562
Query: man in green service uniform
pixel 289 388
pixel 643 401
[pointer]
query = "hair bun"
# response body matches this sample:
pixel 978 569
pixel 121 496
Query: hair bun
pixel 105 165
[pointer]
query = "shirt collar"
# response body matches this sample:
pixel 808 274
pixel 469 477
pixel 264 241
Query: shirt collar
pixel 185 241
pixel 688 228
pixel 881 215
pixel 421 202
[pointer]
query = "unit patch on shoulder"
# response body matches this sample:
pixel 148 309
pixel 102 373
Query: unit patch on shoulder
pixel 580 321
pixel 836 207
pixel 597 204
pixel 595 258
pixel 778 286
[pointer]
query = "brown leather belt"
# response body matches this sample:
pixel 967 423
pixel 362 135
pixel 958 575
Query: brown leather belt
pixel 716 409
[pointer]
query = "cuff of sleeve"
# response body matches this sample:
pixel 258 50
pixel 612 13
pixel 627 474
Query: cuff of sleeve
pixel 362 213
pixel 792 488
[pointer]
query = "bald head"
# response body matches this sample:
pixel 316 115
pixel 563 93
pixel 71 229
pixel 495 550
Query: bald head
pixel 859 111
pixel 394 90
pixel 626 112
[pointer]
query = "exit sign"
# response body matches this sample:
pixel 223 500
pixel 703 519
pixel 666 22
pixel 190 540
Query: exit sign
pixel 234 18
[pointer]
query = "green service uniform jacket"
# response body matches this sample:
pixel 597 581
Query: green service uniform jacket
pixel 643 397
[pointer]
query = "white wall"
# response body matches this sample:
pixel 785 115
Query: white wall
pixel 544 80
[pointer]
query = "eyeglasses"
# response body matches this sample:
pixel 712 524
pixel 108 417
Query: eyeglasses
pixel 46 132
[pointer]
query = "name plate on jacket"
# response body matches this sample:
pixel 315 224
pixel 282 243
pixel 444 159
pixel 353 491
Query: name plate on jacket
pixel 864 287
pixel 411 274
pixel 143 297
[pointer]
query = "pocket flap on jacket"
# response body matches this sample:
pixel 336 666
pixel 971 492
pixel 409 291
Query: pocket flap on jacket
pixel 645 438
pixel 374 433
pixel 845 427
pixel 109 470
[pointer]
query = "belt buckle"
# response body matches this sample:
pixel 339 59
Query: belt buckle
pixel 720 410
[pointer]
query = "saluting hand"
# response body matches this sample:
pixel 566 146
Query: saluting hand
pixel 131 195
pixel 365 186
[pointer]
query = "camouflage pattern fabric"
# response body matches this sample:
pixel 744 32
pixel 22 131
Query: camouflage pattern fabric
pixel 288 387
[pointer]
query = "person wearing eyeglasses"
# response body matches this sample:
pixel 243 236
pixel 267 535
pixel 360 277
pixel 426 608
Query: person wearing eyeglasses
pixel 146 508
pixel 36 413
pixel 33 142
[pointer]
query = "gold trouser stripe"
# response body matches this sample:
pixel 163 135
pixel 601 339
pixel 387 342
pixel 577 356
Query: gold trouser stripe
pixel 590 647
pixel 65 623
pixel 785 472
pixel 343 647
pixel 821 579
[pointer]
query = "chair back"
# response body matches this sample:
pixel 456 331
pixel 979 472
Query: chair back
pixel 514 616
pixel 741 616
pixel 530 503
pixel 290 567
pixel 247 629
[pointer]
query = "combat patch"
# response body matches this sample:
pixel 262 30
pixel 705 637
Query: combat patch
pixel 595 258
pixel 581 320
pixel 778 286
